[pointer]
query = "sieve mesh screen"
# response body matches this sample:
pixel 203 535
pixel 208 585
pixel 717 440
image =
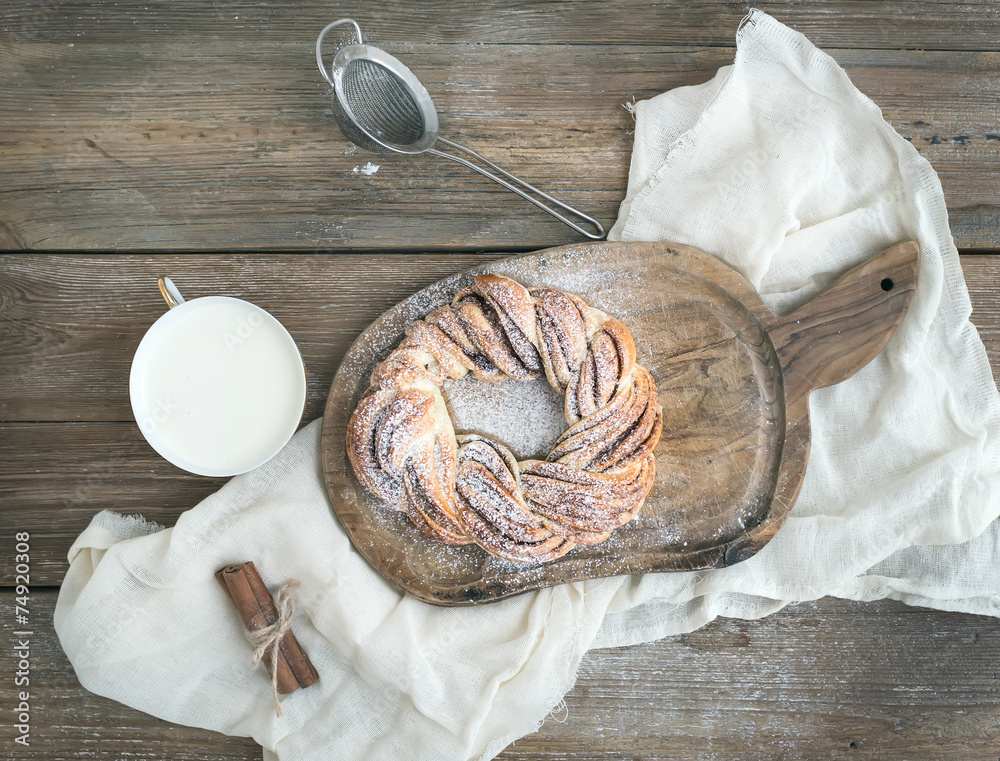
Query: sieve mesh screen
pixel 381 103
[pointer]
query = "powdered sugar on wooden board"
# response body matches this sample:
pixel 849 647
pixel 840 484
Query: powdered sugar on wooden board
pixel 526 417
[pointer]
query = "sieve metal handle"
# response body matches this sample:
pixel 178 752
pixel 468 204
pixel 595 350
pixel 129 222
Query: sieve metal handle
pixel 319 44
pixel 499 180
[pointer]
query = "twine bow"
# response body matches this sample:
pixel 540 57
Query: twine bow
pixel 268 639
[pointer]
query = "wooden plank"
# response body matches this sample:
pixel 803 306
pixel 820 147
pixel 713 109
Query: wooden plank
pixel 829 679
pixel 55 476
pixel 70 324
pixel 939 25
pixel 99 466
pixel 176 143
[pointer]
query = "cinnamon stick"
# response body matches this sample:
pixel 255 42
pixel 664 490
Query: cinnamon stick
pixel 302 668
pixel 256 609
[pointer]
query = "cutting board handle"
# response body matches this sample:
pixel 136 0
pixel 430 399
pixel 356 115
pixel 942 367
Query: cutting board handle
pixel 845 326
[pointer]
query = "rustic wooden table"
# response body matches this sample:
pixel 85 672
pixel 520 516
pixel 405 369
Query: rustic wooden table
pixel 197 140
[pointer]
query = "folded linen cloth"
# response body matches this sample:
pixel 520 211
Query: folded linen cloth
pixel 783 169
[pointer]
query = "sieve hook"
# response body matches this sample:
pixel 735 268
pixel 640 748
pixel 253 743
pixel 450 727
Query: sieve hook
pixel 319 44
pixel 500 181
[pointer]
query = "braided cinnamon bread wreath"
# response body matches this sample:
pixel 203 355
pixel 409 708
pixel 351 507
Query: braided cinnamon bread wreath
pixel 403 448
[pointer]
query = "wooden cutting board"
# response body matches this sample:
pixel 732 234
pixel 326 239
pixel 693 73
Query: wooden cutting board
pixel 734 381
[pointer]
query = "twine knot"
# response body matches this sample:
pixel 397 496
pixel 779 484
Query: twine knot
pixel 266 641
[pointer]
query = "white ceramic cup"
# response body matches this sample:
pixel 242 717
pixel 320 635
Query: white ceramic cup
pixel 217 385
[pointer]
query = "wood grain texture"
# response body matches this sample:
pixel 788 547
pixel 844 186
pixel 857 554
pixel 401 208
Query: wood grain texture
pixel 829 679
pixel 734 381
pixel 866 24
pixel 174 127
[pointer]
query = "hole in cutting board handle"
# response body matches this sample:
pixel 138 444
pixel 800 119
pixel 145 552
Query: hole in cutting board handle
pixel 887 284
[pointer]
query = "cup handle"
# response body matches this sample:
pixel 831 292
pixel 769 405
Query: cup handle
pixel 169 292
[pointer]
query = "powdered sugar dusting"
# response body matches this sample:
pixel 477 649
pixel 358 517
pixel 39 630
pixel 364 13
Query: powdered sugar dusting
pixel 527 417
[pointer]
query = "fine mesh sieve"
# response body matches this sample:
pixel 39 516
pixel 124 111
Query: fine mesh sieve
pixel 382 107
